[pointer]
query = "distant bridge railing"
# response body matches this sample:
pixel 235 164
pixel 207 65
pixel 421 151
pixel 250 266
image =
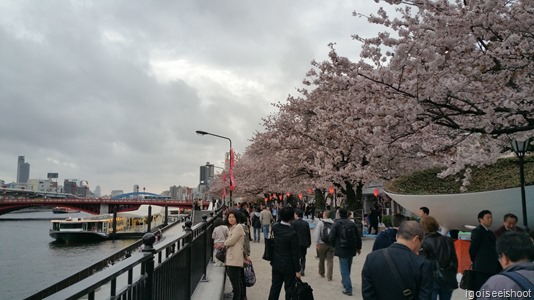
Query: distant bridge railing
pixel 170 269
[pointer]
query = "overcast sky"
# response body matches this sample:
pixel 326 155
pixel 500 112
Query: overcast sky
pixel 112 91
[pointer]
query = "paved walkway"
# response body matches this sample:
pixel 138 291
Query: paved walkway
pixel 322 288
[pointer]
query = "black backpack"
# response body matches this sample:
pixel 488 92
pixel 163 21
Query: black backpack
pixel 348 235
pixel 327 227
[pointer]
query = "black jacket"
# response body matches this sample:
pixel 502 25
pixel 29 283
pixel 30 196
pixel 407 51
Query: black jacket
pixel 437 247
pixel 286 249
pixel 482 251
pixel 378 281
pixel 303 231
pixel 336 239
pixel 385 238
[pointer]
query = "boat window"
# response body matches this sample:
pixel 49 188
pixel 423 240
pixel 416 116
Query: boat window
pixel 71 225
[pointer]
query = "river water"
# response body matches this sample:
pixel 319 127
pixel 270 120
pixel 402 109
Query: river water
pixel 30 260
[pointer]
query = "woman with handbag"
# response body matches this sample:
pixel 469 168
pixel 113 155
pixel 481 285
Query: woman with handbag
pixel 234 254
pixel 440 250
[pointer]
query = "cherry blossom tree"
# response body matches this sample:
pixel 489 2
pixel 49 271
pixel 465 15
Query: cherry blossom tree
pixel 447 83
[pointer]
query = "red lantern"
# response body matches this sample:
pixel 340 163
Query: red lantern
pixel 287 194
pixel 280 197
pixel 331 190
pixel 270 197
pixel 310 190
pixel 375 192
pixel 300 196
pixel 265 199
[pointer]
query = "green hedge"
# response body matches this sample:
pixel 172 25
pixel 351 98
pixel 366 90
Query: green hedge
pixel 503 174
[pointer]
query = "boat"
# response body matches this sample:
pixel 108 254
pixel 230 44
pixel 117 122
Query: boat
pixel 64 210
pixel 128 225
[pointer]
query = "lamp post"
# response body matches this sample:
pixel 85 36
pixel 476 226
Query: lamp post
pixel 520 148
pixel 200 132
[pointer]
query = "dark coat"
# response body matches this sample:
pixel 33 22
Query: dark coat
pixel 482 251
pixel 440 248
pixel 378 281
pixel 303 231
pixel 503 230
pixel 286 249
pixel 385 238
pixel 336 239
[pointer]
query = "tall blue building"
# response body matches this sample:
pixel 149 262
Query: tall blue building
pixel 23 170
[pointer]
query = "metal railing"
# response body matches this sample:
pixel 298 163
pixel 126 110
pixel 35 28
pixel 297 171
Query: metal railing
pixel 170 269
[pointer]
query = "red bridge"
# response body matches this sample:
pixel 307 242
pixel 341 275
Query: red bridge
pixel 92 206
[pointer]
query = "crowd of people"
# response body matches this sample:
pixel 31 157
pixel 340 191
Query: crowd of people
pixel 409 260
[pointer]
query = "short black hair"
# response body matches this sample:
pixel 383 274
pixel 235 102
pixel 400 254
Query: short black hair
pixel 483 213
pixel 287 213
pixel 425 209
pixel 343 212
pixel 509 215
pixel 516 246
pixel 299 213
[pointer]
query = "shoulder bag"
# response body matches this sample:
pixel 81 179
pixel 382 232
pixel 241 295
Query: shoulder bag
pixel 408 295
pixel 221 254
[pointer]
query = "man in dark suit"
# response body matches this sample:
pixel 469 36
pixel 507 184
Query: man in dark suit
pixel 482 250
pixel 303 231
pixel 285 262
pixel 347 242
pixel 509 225
pixel 404 273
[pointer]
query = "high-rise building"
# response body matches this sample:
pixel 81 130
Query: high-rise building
pixel 23 170
pixel 70 186
pixel 207 173
pixel 98 191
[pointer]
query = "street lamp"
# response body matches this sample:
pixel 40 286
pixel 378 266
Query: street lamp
pixel 200 132
pixel 520 148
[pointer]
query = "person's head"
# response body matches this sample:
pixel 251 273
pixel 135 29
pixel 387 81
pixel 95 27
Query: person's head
pixel 258 208
pixel 218 221
pixel 514 247
pixel 397 220
pixel 287 213
pixel 326 214
pixel 510 221
pixel 244 205
pixel 485 218
pixel 299 213
pixel 423 211
pixel 411 235
pixel 234 217
pixel 429 224
pixel 343 213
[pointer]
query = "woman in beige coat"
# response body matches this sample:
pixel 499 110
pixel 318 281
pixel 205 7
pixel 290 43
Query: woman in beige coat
pixel 234 255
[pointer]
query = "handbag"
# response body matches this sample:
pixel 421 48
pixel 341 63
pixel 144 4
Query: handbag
pixel 250 276
pixel 221 254
pixel 269 247
pixel 468 279
pixel 301 291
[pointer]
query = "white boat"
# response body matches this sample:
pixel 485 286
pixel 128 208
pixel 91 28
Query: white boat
pixel 64 210
pixel 131 224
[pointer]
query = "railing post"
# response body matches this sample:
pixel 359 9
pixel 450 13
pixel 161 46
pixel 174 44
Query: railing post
pixel 204 257
pixel 148 240
pixel 189 253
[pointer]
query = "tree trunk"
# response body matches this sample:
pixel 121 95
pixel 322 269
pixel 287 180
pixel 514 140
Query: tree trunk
pixel 320 202
pixel 354 202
